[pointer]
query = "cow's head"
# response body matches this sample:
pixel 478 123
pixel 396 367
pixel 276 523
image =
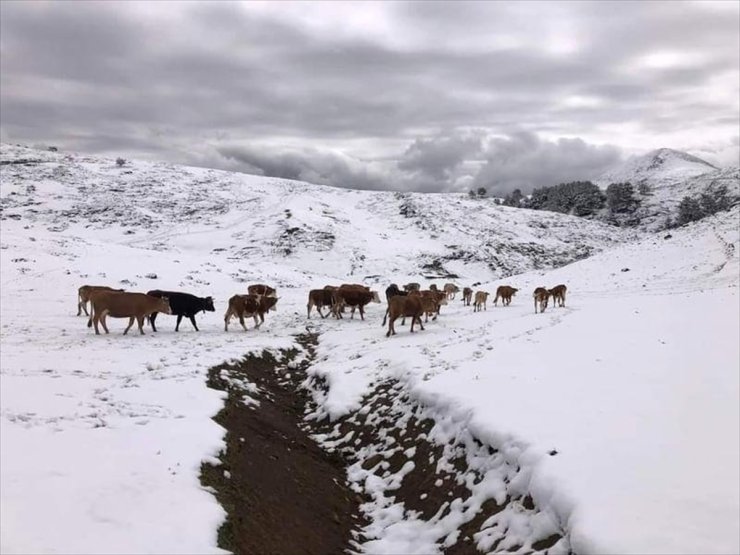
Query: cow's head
pixel 270 303
pixel 441 300
pixel 513 291
pixel 208 305
pixel 163 305
pixel 376 297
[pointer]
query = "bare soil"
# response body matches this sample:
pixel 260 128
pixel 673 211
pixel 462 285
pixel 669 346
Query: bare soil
pixel 284 494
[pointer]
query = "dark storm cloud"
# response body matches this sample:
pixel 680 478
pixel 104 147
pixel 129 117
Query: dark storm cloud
pixel 191 82
pixel 524 161
pixel 308 164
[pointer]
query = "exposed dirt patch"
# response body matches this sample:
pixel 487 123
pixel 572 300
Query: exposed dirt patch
pixel 282 492
pixel 292 481
pixel 437 477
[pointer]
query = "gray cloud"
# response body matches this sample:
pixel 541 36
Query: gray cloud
pixel 524 161
pixel 193 81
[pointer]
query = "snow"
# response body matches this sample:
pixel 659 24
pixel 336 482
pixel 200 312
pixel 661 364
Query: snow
pixel 634 383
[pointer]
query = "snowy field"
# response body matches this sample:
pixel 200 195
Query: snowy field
pixel 633 385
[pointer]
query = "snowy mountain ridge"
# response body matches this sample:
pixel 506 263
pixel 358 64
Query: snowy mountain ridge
pixel 657 167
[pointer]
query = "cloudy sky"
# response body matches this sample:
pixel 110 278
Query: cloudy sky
pixel 424 96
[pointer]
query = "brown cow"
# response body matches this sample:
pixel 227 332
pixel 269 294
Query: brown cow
pixel 262 290
pixel 540 298
pixel 249 305
pixel 558 295
pixel 467 296
pixel 84 292
pixel 401 307
pixel 505 292
pixel 451 289
pixel 432 301
pixel 480 301
pixel 354 296
pixel 125 305
pixel 320 298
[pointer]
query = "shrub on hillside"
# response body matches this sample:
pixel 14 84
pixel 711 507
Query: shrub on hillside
pixel 580 198
pixel 620 198
pixel 120 162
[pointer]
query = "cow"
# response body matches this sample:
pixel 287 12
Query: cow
pixel 505 292
pixel 432 301
pixel 540 298
pixel 124 305
pixel 182 304
pixel 450 289
pixel 392 291
pixel 467 296
pixel 399 306
pixel 558 295
pixel 83 296
pixel 320 298
pixel 480 301
pixel 411 287
pixel 353 296
pixel 262 290
pixel 433 287
pixel 255 306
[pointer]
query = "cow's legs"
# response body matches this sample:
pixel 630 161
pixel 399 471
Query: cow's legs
pixel 391 327
pixel 362 313
pixel 94 318
pixel 103 320
pixel 257 323
pixel 130 323
pixel 241 321
pixel 152 318
pixel 140 321
pixel 192 321
pixel 318 309
pixel 227 317
pixel 177 325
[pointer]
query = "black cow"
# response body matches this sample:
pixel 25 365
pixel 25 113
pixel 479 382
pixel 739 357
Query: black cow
pixel 393 291
pixel 182 304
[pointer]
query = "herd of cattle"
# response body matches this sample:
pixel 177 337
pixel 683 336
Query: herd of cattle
pixel 409 302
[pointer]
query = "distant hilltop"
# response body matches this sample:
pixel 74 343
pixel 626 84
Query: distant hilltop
pixel 657 167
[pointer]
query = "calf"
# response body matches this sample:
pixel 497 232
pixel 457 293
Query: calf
pixel 467 296
pixel 401 307
pixel 124 305
pixel 262 290
pixel 480 301
pixel 433 287
pixel 83 296
pixel 411 287
pixel 540 298
pixel 182 304
pixel 558 295
pixel 249 305
pixel 505 292
pixel 451 289
pixel 320 298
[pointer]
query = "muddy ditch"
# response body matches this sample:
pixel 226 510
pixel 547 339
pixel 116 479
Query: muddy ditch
pixel 293 481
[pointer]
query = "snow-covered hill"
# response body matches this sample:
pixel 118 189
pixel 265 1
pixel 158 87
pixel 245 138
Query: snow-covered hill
pixel 661 166
pixel 669 175
pixel 619 412
pixel 322 229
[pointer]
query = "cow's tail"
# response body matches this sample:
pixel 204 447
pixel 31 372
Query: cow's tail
pixel 387 310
